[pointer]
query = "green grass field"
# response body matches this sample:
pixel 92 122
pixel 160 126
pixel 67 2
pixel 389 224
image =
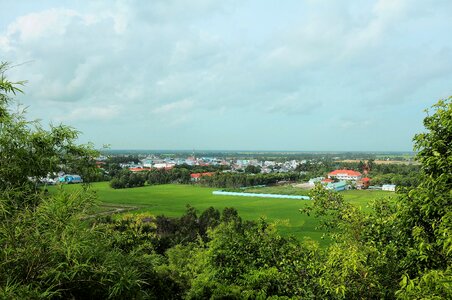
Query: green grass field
pixel 171 200
pixel 285 190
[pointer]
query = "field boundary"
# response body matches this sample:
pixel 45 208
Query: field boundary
pixel 279 196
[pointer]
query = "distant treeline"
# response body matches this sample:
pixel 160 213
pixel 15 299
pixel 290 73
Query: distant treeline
pixel 264 155
pixel 236 180
pixel 128 179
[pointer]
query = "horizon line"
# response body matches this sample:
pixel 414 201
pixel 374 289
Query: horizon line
pixel 264 151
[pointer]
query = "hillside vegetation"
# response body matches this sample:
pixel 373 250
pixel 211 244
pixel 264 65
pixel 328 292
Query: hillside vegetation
pixel 172 199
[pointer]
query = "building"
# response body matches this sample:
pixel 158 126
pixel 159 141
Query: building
pixel 163 165
pixel 139 169
pixel 345 175
pixel 313 181
pixel 70 179
pixel 337 186
pixel 363 183
pixel 388 187
pixel 197 176
pixel 327 180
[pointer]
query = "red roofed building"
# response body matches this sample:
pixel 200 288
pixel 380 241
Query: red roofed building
pixel 100 164
pixel 197 176
pixel 345 175
pixel 139 169
pixel 363 183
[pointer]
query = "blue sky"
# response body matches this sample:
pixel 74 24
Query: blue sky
pixel 310 75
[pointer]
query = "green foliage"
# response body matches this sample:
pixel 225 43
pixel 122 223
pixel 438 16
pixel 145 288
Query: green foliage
pixel 133 232
pixel 28 152
pixel 433 284
pixel 435 146
pixel 48 249
pixel 408 242
pixel 249 261
pixel 237 180
pixel 425 213
pixel 128 179
pixel 7 87
pixel 253 169
pixel 361 263
pixel 335 214
pixel 174 175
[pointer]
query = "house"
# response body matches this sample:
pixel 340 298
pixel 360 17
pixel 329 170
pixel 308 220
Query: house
pixel 388 187
pixel 363 183
pixel 191 161
pixel 337 186
pixel 313 181
pixel 70 179
pixel 139 169
pixel 197 176
pixel 147 162
pixel 100 164
pixel 345 175
pixel 327 180
pixel 163 165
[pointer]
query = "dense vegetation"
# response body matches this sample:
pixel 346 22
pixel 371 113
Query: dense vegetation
pixel 126 179
pixel 236 180
pixel 50 247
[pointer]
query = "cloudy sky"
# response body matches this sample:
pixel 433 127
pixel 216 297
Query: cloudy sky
pixel 232 75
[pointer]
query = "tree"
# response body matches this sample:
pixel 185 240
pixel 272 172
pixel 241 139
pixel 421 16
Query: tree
pixel 409 241
pixel 252 169
pixel 46 250
pixel 28 152
pixel 370 164
pixel 426 212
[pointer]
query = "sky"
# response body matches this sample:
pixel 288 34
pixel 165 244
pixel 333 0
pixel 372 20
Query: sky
pixel 313 75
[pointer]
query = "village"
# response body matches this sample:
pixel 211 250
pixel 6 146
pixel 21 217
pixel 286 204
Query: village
pixel 338 179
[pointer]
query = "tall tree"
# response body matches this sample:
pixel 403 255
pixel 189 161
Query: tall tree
pixel 46 251
pixel 426 212
pixel 28 152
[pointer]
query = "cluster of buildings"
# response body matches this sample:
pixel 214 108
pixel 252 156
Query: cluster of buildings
pixel 266 166
pixel 337 180
pixel 154 162
pixel 62 178
pixel 343 179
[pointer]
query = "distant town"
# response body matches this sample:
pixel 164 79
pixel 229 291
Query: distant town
pixel 335 171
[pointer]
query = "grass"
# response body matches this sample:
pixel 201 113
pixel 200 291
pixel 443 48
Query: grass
pixel 171 200
pixel 284 189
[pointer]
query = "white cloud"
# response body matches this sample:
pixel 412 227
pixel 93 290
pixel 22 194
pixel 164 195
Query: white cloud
pixel 179 106
pixel 90 113
pixel 38 24
pixel 161 61
pixel 386 13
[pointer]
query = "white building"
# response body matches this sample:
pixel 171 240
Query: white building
pixel 388 187
pixel 313 181
pixel 345 175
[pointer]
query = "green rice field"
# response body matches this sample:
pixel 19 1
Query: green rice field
pixel 171 200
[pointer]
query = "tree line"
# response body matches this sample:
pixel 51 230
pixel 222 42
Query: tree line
pixel 237 180
pixel 128 179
